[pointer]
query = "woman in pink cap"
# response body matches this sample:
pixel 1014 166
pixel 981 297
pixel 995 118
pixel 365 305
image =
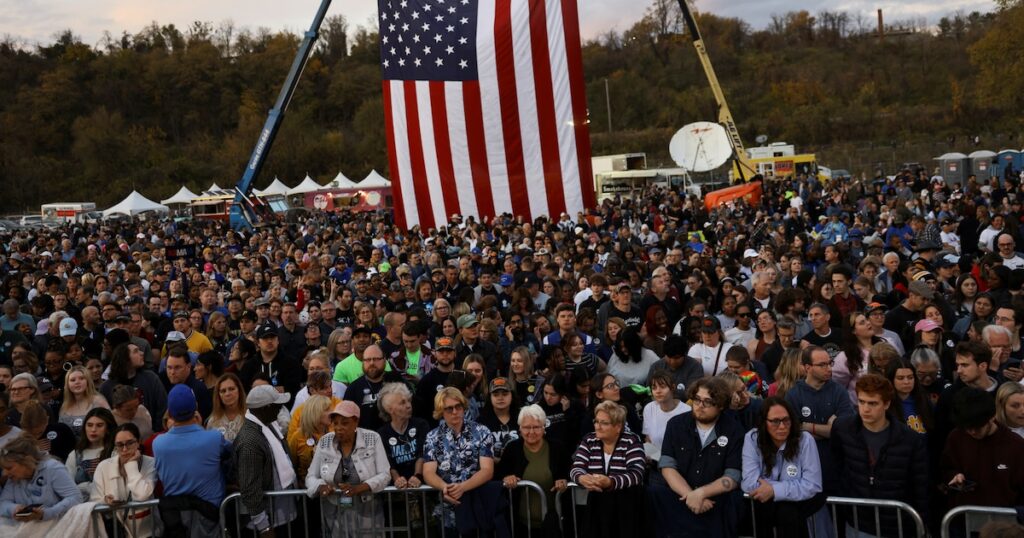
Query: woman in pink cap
pixel 349 466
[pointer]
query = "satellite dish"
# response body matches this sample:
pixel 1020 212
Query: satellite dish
pixel 700 146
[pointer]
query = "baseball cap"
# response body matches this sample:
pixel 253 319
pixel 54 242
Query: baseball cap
pixel 710 324
pixel 249 315
pixel 750 253
pixel 500 383
pixel 68 327
pixel 175 336
pixel 444 342
pixel 122 394
pixel 267 330
pixel 179 298
pixel 208 267
pixel 345 408
pixel 181 314
pixel 467 320
pixel 871 307
pixel 181 402
pixel 265 395
pixel 921 288
pixel 926 325
pixel 262 302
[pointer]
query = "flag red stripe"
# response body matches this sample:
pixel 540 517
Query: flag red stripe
pixel 445 168
pixel 518 188
pixel 419 168
pixel 396 186
pixel 546 117
pixel 574 53
pixel 477 148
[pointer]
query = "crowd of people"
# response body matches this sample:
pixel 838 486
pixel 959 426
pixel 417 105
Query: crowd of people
pixel 842 339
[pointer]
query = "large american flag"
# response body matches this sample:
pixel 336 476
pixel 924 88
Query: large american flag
pixel 485 109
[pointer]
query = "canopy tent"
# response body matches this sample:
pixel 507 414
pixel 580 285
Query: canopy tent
pixel 374 180
pixel 183 196
pixel 134 204
pixel 307 185
pixel 341 182
pixel 214 188
pixel 274 188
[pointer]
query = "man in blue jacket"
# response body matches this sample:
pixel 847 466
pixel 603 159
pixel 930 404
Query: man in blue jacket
pixel 820 401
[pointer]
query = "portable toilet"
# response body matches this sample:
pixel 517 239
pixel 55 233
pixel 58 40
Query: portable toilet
pixel 1009 158
pixel 982 165
pixel 953 167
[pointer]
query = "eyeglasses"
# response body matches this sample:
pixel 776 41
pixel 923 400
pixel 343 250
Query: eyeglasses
pixel 611 386
pixel 125 445
pixel 602 423
pixel 776 422
pixel 19 389
pixel 743 314
pixel 828 364
pixel 706 402
pixel 451 409
pixel 1004 319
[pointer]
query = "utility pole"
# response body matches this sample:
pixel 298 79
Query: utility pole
pixel 608 104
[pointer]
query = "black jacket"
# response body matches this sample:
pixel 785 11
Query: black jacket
pixel 513 460
pixel 900 474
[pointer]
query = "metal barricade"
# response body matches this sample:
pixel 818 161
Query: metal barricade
pixel 988 513
pixel 235 498
pixel 877 504
pixel 126 514
pixel 390 527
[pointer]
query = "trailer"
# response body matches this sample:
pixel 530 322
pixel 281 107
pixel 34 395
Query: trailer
pixel 74 212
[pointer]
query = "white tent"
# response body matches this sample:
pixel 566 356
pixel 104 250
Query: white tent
pixel 214 187
pixel 183 196
pixel 341 182
pixel 307 185
pixel 374 180
pixel 274 188
pixel 134 204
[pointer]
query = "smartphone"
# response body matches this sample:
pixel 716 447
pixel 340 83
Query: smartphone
pixel 26 511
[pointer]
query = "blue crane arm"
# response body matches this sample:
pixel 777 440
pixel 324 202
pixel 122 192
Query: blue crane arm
pixel 243 214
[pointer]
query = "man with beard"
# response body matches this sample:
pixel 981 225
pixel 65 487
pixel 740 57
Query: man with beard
pixel 701 462
pixel 434 380
pixel 364 390
pixel 351 367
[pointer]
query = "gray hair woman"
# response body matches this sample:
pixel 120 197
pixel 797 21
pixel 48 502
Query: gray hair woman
pixel 33 480
pixel 403 435
pixel 532 457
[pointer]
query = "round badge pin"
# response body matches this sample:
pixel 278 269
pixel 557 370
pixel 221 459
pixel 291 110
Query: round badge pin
pixel 310 442
pixel 51 436
pixel 805 411
pixel 791 470
pixel 722 441
pixel 412 432
pixel 392 441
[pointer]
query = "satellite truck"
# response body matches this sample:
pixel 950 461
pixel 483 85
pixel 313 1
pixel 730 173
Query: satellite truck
pixel 775 161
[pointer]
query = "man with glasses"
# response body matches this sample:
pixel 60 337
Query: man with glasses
pixel 879 458
pixel 328 320
pixel 820 401
pixel 1006 247
pixel 701 463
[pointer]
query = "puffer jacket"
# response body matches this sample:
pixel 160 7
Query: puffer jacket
pixel 900 474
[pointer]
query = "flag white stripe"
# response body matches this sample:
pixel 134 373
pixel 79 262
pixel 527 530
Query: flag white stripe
pixel 430 149
pixel 459 142
pixel 491 105
pixel 563 109
pixel 401 134
pixel 526 91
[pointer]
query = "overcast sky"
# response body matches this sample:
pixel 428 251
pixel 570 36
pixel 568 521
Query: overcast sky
pixel 36 21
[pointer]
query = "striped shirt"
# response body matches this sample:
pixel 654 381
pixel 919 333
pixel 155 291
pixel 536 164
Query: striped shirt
pixel 626 466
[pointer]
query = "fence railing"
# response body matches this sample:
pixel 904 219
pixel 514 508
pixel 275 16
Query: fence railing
pixel 972 515
pixel 126 514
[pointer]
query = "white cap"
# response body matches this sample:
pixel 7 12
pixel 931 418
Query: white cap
pixel 750 253
pixel 68 327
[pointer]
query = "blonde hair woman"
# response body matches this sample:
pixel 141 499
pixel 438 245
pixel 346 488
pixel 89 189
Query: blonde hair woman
pixel 314 422
pixel 80 397
pixel 787 374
